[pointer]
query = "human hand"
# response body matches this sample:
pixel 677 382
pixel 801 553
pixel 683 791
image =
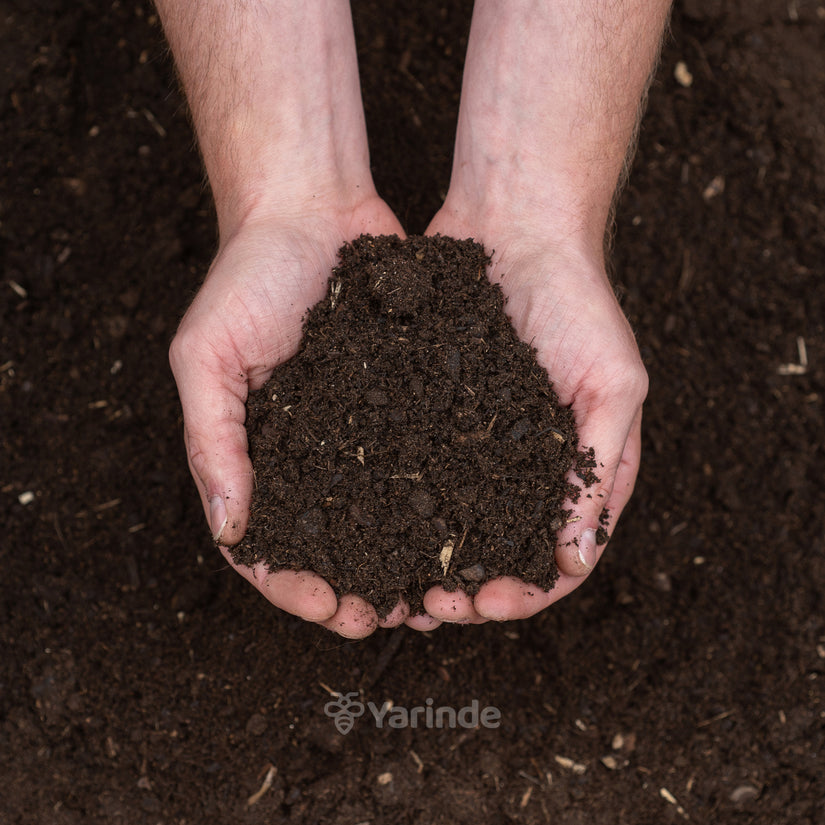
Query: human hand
pixel 561 302
pixel 245 320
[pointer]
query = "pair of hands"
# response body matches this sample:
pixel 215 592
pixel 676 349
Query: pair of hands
pixel 247 317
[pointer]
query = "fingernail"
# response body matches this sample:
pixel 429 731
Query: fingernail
pixel 493 616
pixel 587 549
pixel 217 517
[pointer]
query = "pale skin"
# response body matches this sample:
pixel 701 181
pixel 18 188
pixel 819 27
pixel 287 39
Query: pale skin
pixel 550 103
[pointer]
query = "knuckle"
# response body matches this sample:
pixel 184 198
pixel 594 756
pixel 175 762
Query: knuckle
pixel 628 380
pixel 181 350
pixel 197 460
pixel 638 382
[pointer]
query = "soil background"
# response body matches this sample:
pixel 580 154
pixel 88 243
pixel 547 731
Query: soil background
pixel 141 681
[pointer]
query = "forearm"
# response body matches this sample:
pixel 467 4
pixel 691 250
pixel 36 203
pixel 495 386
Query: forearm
pixel 550 105
pixel 275 97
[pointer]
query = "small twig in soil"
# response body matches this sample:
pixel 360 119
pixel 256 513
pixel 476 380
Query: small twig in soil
pixel 445 555
pixel 107 505
pixel 669 797
pixel 718 718
pixel 525 775
pixel 556 434
pixel 796 369
pixel 18 290
pixel 267 784
pixel 154 123
pixel 334 292
pixel 568 764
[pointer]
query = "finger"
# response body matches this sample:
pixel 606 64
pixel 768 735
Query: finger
pixel 422 622
pixel 398 615
pixel 455 608
pixel 354 618
pixel 506 598
pixel 301 593
pixel 627 472
pixel 577 545
pixel 213 397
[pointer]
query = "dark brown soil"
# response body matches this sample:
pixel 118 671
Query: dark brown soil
pixel 413 441
pixel 143 681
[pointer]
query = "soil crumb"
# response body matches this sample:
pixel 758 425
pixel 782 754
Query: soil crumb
pixel 413 441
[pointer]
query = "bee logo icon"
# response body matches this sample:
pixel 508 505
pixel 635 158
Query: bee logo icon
pixel 344 711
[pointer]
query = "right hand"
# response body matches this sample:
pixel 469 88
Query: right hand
pixel 245 320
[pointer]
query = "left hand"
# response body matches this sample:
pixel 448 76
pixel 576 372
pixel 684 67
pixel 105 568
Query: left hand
pixel 561 301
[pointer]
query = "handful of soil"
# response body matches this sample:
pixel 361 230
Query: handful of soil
pixel 413 440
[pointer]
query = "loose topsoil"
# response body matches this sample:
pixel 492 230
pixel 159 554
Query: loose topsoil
pixel 143 681
pixel 413 440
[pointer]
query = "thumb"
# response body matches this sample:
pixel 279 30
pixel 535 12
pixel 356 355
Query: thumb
pixel 213 394
pixel 617 450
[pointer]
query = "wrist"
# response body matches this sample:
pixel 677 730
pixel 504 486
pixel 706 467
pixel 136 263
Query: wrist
pixel 515 221
pixel 549 107
pixel 276 102
pixel 313 189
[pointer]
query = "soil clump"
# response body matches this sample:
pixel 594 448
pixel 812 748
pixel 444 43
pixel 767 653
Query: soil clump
pixel 413 440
